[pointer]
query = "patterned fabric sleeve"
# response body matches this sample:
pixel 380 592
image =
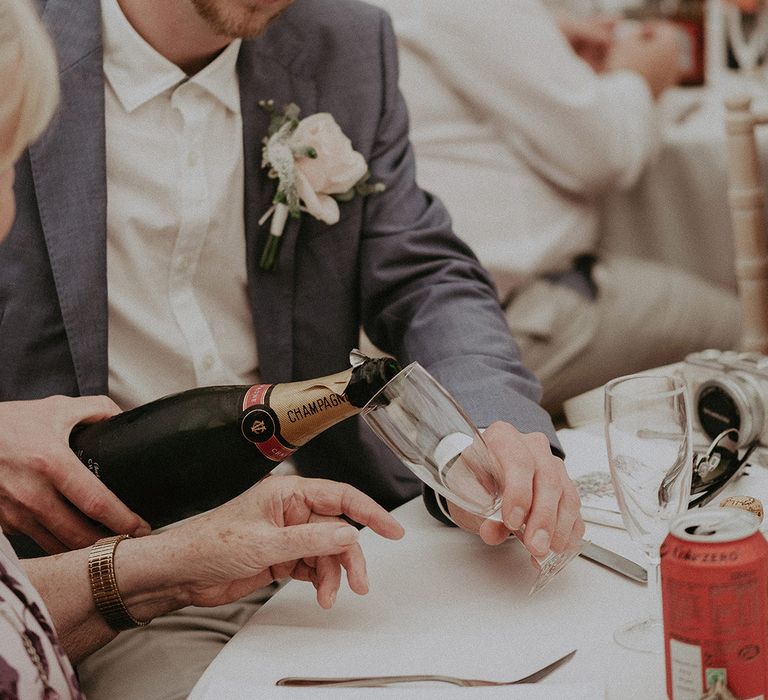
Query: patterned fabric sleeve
pixel 32 661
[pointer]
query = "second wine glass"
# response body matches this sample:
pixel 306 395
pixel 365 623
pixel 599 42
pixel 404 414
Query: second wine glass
pixel 416 417
pixel 649 439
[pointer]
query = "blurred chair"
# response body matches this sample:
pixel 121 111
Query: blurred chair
pixel 746 199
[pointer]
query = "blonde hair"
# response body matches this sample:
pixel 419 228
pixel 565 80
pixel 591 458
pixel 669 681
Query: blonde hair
pixel 28 76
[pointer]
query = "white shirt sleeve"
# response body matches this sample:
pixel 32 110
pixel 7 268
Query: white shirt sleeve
pixel 510 62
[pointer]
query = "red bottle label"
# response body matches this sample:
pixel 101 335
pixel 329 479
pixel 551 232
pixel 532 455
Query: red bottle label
pixel 259 424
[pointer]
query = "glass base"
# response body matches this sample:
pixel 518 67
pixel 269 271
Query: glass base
pixel 642 635
pixel 550 566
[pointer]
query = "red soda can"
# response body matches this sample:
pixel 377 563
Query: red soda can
pixel 714 589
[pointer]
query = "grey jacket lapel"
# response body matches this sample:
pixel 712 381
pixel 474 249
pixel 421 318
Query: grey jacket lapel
pixel 68 166
pixel 266 72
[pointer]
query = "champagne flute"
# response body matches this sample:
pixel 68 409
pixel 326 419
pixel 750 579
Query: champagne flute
pixel 649 439
pixel 425 427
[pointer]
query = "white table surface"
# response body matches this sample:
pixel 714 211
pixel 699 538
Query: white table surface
pixel 443 602
pixel 678 210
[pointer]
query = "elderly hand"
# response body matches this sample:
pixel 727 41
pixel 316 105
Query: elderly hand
pixel 536 492
pixel 45 491
pixel 283 526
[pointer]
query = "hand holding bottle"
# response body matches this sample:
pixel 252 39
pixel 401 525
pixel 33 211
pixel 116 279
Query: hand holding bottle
pixel 45 492
pixel 189 452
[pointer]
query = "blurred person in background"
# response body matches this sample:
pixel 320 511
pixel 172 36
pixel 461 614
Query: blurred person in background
pixel 521 121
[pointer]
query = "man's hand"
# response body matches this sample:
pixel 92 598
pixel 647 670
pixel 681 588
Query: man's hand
pixel 591 38
pixel 537 493
pixel 45 491
pixel 283 526
pixel 653 51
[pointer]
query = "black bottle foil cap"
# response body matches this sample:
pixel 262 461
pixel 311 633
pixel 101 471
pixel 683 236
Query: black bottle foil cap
pixel 369 377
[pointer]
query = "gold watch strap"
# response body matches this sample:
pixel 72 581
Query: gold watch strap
pixel 106 595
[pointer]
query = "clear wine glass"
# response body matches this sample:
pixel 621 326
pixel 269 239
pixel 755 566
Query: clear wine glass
pixel 416 417
pixel 649 439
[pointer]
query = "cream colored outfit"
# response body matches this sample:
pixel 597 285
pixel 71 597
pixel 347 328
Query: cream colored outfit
pixel 520 139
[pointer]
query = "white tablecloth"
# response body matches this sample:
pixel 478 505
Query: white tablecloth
pixel 678 211
pixel 443 602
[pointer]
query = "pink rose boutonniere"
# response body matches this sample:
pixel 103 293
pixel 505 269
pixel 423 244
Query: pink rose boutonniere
pixel 315 167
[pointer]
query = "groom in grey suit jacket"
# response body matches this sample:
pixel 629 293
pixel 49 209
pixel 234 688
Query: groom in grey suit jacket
pixel 391 264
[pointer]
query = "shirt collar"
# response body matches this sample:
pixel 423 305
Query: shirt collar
pixel 138 73
pixel 219 77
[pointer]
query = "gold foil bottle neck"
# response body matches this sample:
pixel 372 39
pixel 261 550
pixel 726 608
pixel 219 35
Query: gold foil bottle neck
pixel 305 409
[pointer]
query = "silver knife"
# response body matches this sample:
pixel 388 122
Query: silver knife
pixel 614 561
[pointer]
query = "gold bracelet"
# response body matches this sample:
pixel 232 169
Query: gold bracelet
pixel 106 595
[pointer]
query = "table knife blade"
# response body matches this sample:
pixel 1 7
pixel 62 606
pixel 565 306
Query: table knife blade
pixel 614 561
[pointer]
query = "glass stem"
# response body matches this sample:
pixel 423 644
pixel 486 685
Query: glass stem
pixel 654 587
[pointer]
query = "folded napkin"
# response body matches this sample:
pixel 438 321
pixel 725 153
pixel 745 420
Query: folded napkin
pixel 586 460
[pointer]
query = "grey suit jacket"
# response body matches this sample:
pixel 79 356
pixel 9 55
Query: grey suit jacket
pixel 391 264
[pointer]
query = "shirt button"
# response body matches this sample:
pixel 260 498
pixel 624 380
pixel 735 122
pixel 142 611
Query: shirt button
pixel 208 362
pixel 192 159
pixel 183 264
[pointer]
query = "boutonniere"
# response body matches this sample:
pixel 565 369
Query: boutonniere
pixel 315 167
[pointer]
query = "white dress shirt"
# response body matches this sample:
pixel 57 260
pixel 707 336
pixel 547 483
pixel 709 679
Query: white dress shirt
pixel 179 315
pixel 514 132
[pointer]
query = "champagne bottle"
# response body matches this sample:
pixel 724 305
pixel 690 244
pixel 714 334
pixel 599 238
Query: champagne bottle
pixel 191 451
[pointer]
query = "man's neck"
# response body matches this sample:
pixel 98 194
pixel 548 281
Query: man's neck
pixel 175 30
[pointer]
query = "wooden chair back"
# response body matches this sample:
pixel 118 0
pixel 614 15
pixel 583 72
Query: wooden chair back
pixel 746 200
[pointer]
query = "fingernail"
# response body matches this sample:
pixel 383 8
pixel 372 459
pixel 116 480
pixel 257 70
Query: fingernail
pixel 540 541
pixel 345 535
pixel 333 597
pixel 515 518
pixel 142 530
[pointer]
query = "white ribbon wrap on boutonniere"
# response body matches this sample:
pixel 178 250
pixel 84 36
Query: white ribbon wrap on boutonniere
pixel 315 167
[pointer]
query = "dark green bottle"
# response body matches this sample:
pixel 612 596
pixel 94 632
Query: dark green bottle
pixel 191 451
